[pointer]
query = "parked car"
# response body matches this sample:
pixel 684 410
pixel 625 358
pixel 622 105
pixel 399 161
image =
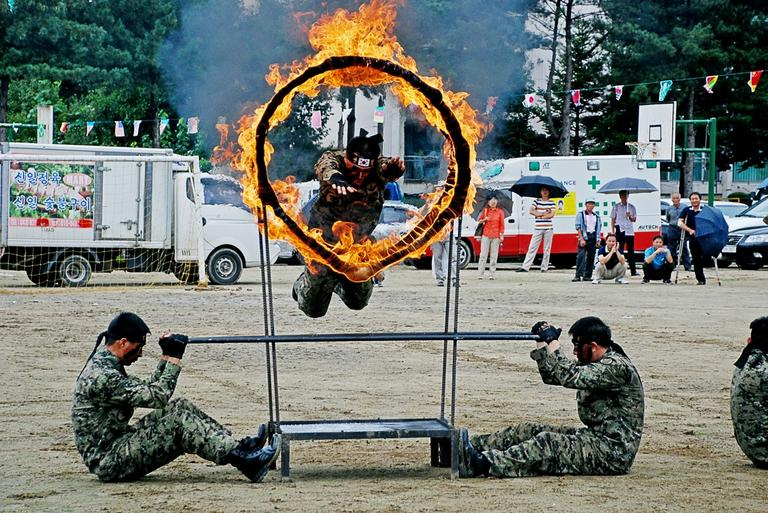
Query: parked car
pixel 748 247
pixel 752 217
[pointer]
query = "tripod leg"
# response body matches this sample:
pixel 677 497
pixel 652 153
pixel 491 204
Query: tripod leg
pixel 717 272
pixel 680 247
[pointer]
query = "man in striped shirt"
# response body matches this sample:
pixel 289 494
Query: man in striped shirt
pixel 542 210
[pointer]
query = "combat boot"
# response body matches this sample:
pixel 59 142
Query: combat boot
pixel 255 464
pixel 254 443
pixel 472 463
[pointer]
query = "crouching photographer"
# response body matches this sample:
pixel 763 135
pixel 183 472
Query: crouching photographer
pixel 610 403
pixel 104 402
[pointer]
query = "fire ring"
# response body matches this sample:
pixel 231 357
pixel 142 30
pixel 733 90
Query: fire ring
pixel 433 222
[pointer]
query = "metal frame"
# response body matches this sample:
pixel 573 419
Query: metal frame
pixel 441 431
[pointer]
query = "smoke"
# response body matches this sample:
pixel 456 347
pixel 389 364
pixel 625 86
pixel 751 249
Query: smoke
pixel 217 60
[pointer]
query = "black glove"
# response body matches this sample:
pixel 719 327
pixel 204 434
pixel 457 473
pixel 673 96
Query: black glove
pixel 538 327
pixel 338 180
pixel 549 334
pixel 174 345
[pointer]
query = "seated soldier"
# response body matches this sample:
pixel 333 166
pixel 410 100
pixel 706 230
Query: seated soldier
pixel 611 264
pixel 352 184
pixel 658 263
pixel 749 395
pixel 105 398
pixel 610 403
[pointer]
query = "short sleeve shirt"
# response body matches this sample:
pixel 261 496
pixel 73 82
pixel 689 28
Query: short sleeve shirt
pixel 610 264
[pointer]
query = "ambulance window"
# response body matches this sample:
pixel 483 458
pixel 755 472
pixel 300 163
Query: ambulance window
pixel 190 191
pixel 593 165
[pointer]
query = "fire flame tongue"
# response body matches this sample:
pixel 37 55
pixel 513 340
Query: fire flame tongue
pixel 336 38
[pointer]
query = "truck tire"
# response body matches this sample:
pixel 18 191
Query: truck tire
pixel 563 261
pixel 41 277
pixel 224 266
pixel 74 271
pixel 464 253
pixel 186 273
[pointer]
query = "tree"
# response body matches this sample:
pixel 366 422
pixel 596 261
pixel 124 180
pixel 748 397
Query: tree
pixel 655 40
pixel 54 40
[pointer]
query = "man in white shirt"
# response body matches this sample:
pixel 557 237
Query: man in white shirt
pixel 623 217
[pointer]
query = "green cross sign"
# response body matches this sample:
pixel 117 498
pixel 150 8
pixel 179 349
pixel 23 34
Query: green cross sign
pixel 594 182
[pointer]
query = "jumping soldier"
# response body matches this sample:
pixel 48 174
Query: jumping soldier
pixel 352 184
pixel 749 395
pixel 610 403
pixel 104 402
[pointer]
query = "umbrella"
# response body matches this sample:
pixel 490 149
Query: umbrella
pixel 711 231
pixel 627 184
pixel 529 187
pixel 483 195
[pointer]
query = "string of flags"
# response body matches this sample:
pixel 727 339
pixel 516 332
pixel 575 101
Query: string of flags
pixel 193 125
pixel 665 86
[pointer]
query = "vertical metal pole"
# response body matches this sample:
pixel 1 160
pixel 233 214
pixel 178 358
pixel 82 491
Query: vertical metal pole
pixel 455 329
pixel 712 164
pixel 445 324
pixel 265 306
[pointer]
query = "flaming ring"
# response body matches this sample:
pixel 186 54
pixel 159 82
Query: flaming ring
pixel 441 213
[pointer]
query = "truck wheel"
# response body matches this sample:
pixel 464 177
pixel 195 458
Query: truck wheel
pixel 41 277
pixel 224 266
pixel 422 263
pixel 74 271
pixel 464 254
pixel 186 273
pixel 563 261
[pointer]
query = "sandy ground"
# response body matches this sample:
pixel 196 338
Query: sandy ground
pixel 682 338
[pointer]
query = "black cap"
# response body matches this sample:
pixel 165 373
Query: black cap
pixel 127 325
pixel 363 151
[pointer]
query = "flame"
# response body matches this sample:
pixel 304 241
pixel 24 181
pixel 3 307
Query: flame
pixel 368 32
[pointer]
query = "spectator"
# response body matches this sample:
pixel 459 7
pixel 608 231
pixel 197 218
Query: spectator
pixel 674 233
pixel 623 217
pixel 492 218
pixel 542 210
pixel 658 263
pixel 588 233
pixel 687 223
pixel 611 263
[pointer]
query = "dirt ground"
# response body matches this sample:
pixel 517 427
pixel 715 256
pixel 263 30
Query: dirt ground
pixel 682 338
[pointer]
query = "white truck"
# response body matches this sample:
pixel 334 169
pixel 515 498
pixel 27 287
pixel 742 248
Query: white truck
pixel 69 211
pixel 582 176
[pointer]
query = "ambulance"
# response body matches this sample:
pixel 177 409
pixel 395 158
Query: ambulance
pixel 582 177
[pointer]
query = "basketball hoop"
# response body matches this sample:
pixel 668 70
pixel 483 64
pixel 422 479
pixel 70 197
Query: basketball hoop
pixel 642 150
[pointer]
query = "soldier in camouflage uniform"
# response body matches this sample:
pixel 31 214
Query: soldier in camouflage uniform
pixel 749 395
pixel 352 184
pixel 610 402
pixel 104 402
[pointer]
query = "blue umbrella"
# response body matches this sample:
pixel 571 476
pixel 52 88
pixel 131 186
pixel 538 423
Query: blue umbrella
pixel 529 187
pixel 628 184
pixel 711 231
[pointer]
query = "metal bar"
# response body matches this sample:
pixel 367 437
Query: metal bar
pixel 695 150
pixel 425 336
pixel 262 267
pixel 445 323
pixel 455 340
pixel 692 121
pixel 95 158
pixel 712 163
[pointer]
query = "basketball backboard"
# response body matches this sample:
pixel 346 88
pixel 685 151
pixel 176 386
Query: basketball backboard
pixel 656 131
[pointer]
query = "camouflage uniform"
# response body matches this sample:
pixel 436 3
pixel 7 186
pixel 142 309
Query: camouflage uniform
pixel 611 404
pixel 105 398
pixel 749 407
pixel 313 289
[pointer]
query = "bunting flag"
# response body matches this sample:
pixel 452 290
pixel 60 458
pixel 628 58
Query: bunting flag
pixel 618 91
pixel 754 78
pixel 64 127
pixel 119 129
pixel 316 121
pixel 10 5
pixel 88 127
pixel 530 100
pixel 15 129
pixel 710 82
pixel 378 115
pixel 136 125
pixel 163 125
pixel 490 104
pixel 664 87
pixel 576 97
pixel 192 125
